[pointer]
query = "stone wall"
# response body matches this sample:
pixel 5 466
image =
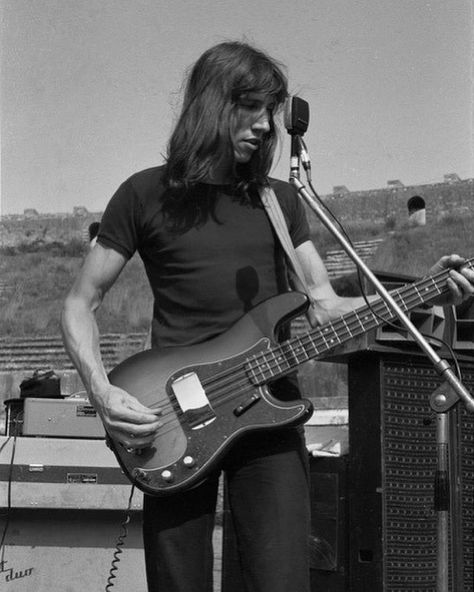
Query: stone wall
pixel 44 228
pixel 380 205
pixel 377 206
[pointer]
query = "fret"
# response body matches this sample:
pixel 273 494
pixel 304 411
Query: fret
pixel 375 318
pixel 387 312
pixel 418 292
pixel 301 348
pixel 334 338
pixel 323 336
pixel 349 331
pixel 367 318
pixel 253 371
pixel 261 367
pixel 289 354
pixel 401 303
pixel 356 314
pixel 266 365
pixel 313 346
pixel 347 326
pixel 278 360
pixel 432 280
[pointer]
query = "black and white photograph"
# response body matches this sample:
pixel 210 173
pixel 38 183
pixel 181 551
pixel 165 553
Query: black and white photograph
pixel 237 296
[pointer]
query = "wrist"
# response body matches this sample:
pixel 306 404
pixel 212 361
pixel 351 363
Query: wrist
pixel 98 386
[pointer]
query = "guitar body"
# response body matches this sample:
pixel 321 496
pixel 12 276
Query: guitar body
pixel 209 398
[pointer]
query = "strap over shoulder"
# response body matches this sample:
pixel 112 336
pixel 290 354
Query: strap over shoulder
pixel 275 214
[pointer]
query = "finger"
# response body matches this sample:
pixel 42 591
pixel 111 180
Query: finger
pixel 129 414
pixel 139 429
pixel 468 274
pixel 130 439
pixel 449 262
pixel 134 404
pixel 455 291
pixel 133 436
pixel 463 281
pixel 141 433
pixel 454 261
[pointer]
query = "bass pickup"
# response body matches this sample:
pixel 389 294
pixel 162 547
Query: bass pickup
pixel 245 406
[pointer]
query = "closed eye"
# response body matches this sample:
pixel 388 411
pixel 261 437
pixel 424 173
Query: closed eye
pixel 251 104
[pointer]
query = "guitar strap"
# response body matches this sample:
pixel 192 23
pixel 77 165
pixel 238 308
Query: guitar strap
pixel 275 214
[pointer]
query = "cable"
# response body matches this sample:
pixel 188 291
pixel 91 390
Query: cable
pixel 343 230
pixel 119 544
pixel 9 500
pixel 359 276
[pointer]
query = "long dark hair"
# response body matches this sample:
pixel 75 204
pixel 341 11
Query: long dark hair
pixel 202 134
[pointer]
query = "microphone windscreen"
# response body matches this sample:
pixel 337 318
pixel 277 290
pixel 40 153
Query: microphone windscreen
pixel 296 115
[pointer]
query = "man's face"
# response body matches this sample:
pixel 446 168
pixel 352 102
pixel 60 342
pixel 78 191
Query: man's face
pixel 251 122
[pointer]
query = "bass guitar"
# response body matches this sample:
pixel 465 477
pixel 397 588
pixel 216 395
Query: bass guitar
pixel 213 393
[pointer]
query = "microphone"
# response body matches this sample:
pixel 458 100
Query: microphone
pixel 296 118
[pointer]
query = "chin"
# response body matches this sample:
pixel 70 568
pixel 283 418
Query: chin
pixel 242 158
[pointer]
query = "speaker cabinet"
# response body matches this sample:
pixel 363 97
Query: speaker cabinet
pixel 328 545
pixel 463 337
pixel 392 522
pixel 328 539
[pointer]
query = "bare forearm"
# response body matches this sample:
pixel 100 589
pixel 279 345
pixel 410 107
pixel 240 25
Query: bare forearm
pixel 125 419
pixel 82 343
pixel 330 308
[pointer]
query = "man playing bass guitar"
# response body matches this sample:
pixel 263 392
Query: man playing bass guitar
pixel 211 256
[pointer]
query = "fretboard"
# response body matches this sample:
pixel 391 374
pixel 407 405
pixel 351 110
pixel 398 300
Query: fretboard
pixel 283 358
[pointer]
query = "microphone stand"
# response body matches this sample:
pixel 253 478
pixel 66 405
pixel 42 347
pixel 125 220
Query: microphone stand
pixel 444 398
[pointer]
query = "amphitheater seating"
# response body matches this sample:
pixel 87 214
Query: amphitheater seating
pixel 338 262
pixel 30 353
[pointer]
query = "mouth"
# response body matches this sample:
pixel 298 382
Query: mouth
pixel 254 143
pixel 246 148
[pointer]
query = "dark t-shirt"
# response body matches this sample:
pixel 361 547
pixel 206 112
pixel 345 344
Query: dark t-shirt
pixel 203 278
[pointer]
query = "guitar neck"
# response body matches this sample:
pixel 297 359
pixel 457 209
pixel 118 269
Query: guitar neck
pixel 285 357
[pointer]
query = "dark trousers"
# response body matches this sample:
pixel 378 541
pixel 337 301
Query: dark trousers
pixel 267 487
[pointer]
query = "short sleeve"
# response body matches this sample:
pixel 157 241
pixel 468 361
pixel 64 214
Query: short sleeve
pixel 119 226
pixel 293 210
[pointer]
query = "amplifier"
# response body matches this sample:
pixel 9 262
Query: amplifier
pixel 392 470
pixel 61 474
pixel 72 417
pixel 62 508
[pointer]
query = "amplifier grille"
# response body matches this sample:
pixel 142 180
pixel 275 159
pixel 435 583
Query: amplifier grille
pixel 409 462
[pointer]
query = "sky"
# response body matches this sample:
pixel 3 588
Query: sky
pixel 90 89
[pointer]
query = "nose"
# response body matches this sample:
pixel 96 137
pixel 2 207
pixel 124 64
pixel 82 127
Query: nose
pixel 262 121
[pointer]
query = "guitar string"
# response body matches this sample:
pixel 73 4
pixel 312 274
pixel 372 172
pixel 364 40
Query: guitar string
pixel 342 322
pixel 230 374
pixel 278 361
pixel 355 319
pixel 352 328
pixel 237 388
pixel 428 285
